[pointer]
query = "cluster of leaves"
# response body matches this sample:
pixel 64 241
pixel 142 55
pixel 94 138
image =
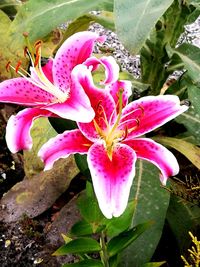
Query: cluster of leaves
pixel 151 29
pixel 114 234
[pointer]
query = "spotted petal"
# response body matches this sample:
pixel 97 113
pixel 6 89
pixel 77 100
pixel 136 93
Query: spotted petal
pixel 101 101
pixel 21 91
pixel 149 113
pixel 112 184
pixel 114 88
pixel 75 50
pixel 77 107
pixel 61 146
pixel 18 128
pixel 157 154
pixel 110 65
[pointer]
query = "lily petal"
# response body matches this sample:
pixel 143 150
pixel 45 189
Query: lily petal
pixel 149 113
pixel 75 50
pixel 77 107
pixel 114 88
pixel 157 154
pixel 101 101
pixel 47 69
pixel 61 146
pixel 112 184
pixel 18 128
pixel 110 65
pixel 21 91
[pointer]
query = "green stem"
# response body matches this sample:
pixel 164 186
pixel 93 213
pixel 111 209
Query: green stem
pixel 104 250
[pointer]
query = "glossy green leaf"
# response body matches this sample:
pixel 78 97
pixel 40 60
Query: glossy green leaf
pixel 123 240
pixel 190 56
pixel 136 18
pixel 194 96
pixel 91 213
pixel 117 225
pixel 154 264
pixel 81 228
pixel 151 204
pixel 85 263
pixel 81 161
pixel 189 150
pixel 191 120
pixel 39 17
pixel 79 245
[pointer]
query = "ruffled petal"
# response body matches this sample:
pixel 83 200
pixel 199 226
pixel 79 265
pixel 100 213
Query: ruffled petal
pixel 77 107
pixel 112 180
pixel 21 91
pixel 110 65
pixel 61 146
pixel 149 113
pixel 75 50
pixel 157 154
pixel 101 101
pixel 18 128
pixel 114 88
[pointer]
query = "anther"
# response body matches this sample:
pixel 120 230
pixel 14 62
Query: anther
pixel 125 134
pixel 8 66
pixel 25 51
pixel 38 44
pixel 18 66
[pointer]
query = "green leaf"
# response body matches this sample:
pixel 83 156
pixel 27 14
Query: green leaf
pixel 81 228
pixel 190 56
pixel 6 53
pixel 91 213
pixel 117 225
pixel 79 245
pixel 189 150
pixel 39 17
pixel 154 264
pixel 123 240
pixel 32 163
pixel 191 121
pixel 10 7
pixel 81 161
pixel 194 96
pixel 151 204
pixel 85 263
pixel 153 54
pixel 136 18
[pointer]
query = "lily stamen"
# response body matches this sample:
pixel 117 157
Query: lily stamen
pixel 133 111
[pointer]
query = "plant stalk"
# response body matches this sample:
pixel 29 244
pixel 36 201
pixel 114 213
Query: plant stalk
pixel 104 255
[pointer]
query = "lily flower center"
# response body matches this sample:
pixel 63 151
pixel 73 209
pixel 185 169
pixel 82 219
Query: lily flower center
pixel 114 132
pixel 37 76
pixel 111 135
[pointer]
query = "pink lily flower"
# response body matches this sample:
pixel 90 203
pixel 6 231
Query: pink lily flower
pixel 52 90
pixel 112 140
